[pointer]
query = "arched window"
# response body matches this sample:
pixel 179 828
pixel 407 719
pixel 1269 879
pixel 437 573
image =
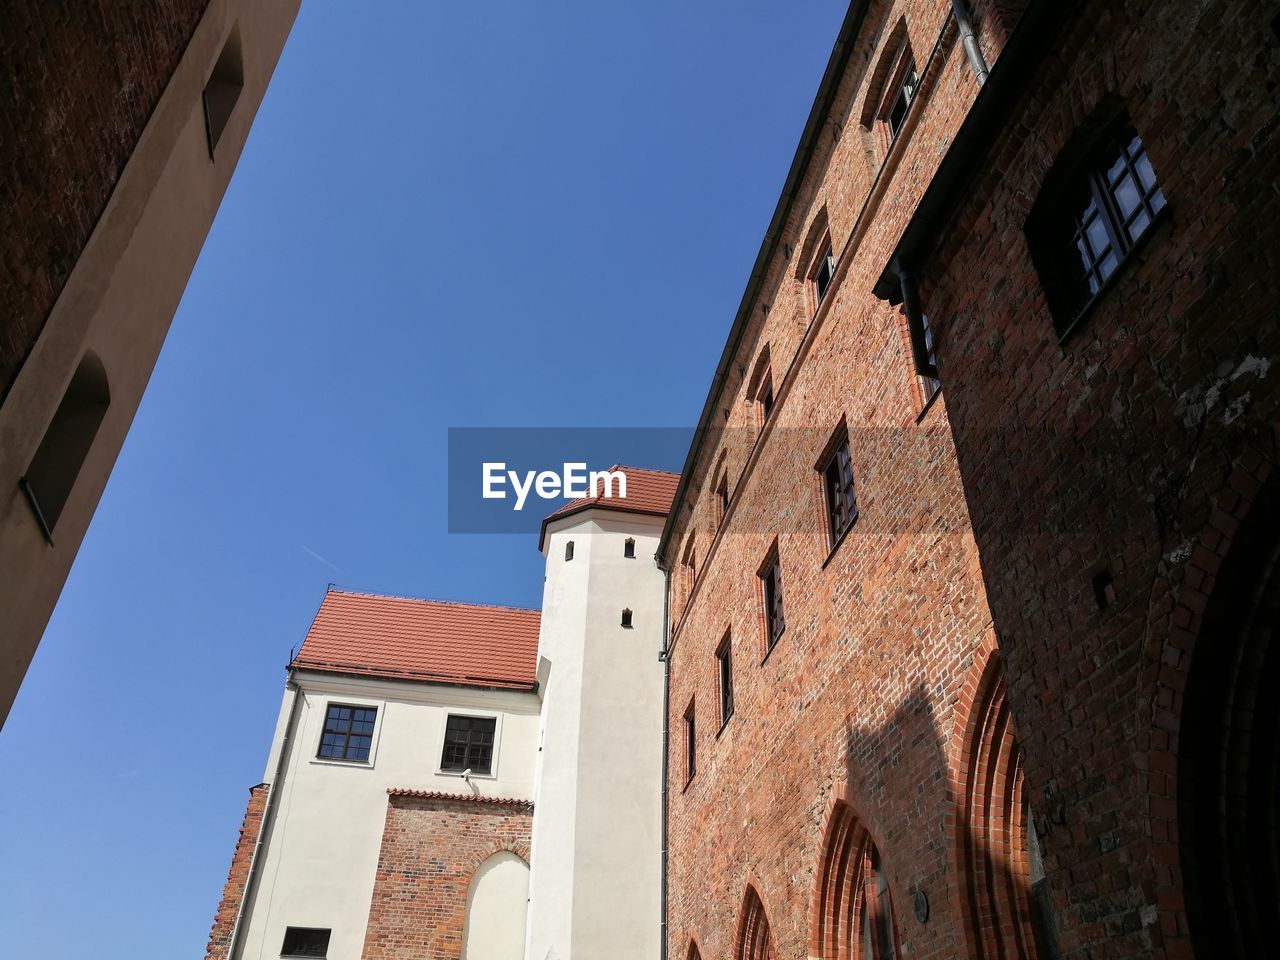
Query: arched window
pixel 891 90
pixel 1002 876
pixel 496 905
pixel 53 470
pixel 693 953
pixel 1228 786
pixel 755 939
pixel 854 919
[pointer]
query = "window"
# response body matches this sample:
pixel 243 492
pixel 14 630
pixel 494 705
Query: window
pixel 568 550
pixel 626 617
pixel 223 89
pixel 929 386
pixel 837 486
pixel 1089 220
pixel 66 443
pixel 348 733
pixel 722 497
pixel 468 744
pixel 689 565
pixel 766 397
pixel 824 272
pixel 771 591
pixel 724 671
pixel 690 745
pixel 629 548
pixel 903 93
pixel 305 942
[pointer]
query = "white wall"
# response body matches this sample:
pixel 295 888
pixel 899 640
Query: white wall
pixel 320 862
pixel 496 906
pixel 596 865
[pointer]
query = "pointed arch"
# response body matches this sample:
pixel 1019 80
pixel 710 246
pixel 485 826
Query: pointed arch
pixel 693 953
pixel 852 913
pixel 755 938
pixel 995 838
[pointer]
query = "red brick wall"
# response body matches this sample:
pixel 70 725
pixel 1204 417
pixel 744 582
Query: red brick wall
pixel 860 698
pixel 1134 445
pixel 431 847
pixel 233 893
pixel 78 82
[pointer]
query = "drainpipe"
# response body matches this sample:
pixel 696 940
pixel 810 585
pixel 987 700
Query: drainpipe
pixel 970 40
pixel 666 737
pixel 915 321
pixel 268 815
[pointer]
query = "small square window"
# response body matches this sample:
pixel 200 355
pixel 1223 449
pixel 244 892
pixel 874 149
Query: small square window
pixel 690 744
pixel 468 745
pixel 305 942
pixel 724 673
pixel 629 548
pixel 771 593
pixel 837 487
pixel 348 733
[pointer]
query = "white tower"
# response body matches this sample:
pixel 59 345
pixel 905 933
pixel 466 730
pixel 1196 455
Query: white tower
pixel 595 883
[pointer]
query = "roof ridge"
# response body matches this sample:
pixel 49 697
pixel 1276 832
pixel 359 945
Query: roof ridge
pixel 432 600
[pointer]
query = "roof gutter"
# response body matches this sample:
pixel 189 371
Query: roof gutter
pixel 827 90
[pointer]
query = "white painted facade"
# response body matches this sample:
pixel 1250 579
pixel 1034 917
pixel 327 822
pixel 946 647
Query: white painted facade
pixel 595 883
pixel 321 855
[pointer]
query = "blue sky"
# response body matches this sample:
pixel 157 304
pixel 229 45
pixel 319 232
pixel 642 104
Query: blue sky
pixel 511 213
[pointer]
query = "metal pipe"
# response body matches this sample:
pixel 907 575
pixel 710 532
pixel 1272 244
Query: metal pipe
pixel 969 38
pixel 915 323
pixel 250 882
pixel 665 657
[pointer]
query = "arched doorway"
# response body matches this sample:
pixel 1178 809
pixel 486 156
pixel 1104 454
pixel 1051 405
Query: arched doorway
pixel 497 901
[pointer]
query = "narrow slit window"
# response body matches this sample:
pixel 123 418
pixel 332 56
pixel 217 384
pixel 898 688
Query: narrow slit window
pixel 690 744
pixel 766 397
pixel 223 89
pixel 824 273
pixel 929 385
pixel 771 592
pixel 724 673
pixel 629 548
pixel 626 617
pixel 722 497
pixel 568 550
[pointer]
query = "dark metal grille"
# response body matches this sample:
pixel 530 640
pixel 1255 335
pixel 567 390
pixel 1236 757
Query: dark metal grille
pixel 837 481
pixel 468 744
pixel 348 732
pixel 774 622
pixel 305 942
pixel 1108 212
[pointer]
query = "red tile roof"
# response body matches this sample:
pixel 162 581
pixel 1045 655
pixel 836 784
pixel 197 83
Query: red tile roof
pixel 429 640
pixel 648 492
pixel 468 797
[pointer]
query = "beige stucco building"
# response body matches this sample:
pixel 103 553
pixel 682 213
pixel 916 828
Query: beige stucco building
pixel 76 361
pixel 453 780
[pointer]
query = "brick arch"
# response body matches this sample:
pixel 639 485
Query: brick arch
pixel 886 58
pixel 1212 828
pixel 842 884
pixel 754 940
pixel 693 952
pixel 989 832
pixel 518 847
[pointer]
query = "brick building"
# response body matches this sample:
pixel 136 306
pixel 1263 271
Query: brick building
pixel 120 126
pixel 990 446
pixel 457 781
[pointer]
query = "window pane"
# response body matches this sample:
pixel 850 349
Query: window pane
pixel 1126 194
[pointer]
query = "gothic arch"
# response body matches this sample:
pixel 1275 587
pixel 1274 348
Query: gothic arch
pixel 755 939
pixel 851 917
pixel 992 828
pixel 693 953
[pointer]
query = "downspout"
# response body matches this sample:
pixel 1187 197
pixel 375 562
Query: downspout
pixel 970 40
pixel 268 815
pixel 915 321
pixel 663 655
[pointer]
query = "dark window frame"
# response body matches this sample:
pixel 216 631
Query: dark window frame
pixel 690 743
pixel 1079 232
pixel 478 757
pixel 568 550
pixel 839 494
pixel 823 272
pixel 629 548
pixel 292 947
pixel 901 94
pixel 724 678
pixel 627 618
pixel 355 745
pixel 774 620
pixel 929 386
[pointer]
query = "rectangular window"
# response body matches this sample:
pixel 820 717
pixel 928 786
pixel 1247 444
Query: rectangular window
pixel 837 485
pixel 305 942
pixel 629 548
pixel 568 550
pixel 823 275
pixel 348 733
pixel 468 744
pixel 722 497
pixel 1089 220
pixel 766 397
pixel 690 745
pixel 771 585
pixel 901 103
pixel 929 385
pixel 724 671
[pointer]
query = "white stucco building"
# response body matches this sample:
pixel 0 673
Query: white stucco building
pixel 454 780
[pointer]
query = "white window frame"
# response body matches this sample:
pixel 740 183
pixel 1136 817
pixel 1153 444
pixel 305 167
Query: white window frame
pixel 317 731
